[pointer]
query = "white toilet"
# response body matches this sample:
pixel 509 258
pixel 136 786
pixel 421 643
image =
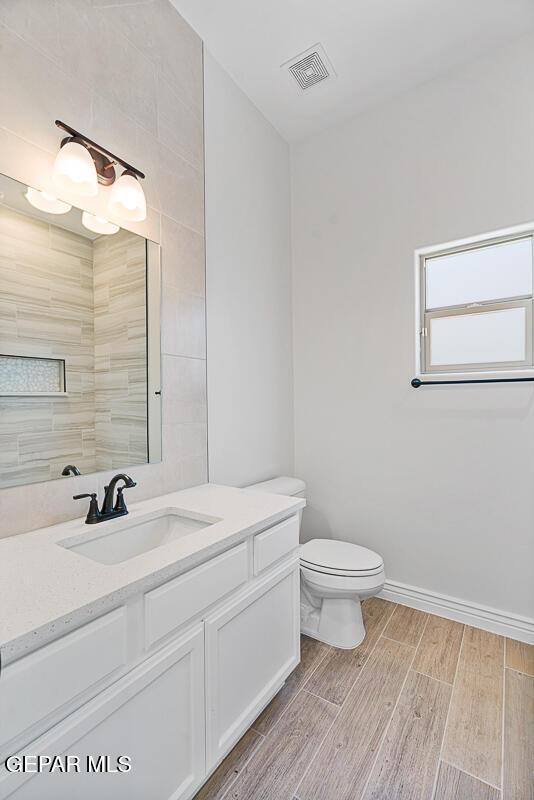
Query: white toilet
pixel 335 577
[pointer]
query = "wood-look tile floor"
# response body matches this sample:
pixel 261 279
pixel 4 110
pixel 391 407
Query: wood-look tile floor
pixel 423 709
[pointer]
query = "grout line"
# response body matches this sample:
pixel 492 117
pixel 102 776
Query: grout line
pixel 503 710
pixel 245 765
pixel 295 793
pixel 475 777
pixel 519 672
pixel 425 626
pixel 126 5
pixel 284 712
pixel 432 678
pixel 191 358
pixel 386 729
pixel 370 653
pixel 398 641
pixel 440 758
pixel 319 746
pixel 314 670
pixel 292 700
pixel 318 696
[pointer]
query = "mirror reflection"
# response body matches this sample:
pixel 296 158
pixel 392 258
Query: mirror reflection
pixel 74 373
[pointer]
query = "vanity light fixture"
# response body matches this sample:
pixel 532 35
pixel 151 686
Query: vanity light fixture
pixel 46 202
pixel 127 199
pixel 74 169
pixel 98 224
pixel 82 164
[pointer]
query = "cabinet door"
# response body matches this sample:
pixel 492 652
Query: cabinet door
pixel 154 715
pixel 252 644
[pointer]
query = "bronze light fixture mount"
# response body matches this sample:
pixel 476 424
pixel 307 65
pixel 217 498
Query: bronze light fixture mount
pixel 104 160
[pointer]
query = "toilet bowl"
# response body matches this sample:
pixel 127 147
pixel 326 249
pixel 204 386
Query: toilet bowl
pixel 335 577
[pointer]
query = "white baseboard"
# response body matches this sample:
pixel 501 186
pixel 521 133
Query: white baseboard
pixel 490 619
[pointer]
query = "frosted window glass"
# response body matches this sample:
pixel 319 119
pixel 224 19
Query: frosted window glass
pixel 486 273
pixel 481 338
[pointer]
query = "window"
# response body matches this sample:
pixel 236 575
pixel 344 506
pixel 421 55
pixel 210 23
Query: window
pixel 475 305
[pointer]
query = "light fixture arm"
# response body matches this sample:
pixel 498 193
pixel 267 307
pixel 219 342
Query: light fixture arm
pixel 99 149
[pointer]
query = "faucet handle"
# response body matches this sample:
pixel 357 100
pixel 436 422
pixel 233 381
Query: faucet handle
pixel 120 505
pixel 93 515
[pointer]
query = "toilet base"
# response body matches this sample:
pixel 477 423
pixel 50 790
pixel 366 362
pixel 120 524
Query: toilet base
pixel 337 622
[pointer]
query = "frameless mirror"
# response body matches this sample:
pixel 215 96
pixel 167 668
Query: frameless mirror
pixel 79 341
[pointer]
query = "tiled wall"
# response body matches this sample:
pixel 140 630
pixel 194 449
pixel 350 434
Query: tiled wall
pixel 128 74
pixel 46 286
pixel 120 350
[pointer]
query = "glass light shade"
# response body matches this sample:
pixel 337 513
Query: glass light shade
pixel 127 199
pixel 98 224
pixel 46 202
pixel 74 170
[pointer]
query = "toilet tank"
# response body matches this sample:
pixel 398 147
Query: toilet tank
pixel 293 487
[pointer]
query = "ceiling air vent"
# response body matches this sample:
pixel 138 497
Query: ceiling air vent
pixel 310 67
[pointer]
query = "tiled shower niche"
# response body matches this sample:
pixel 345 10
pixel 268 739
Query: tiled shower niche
pixel 24 375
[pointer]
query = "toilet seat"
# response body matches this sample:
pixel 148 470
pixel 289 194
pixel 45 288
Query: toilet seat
pixel 333 557
pixel 346 573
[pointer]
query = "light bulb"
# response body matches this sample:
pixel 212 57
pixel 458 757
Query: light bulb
pixel 74 170
pixel 46 202
pixel 98 224
pixel 127 199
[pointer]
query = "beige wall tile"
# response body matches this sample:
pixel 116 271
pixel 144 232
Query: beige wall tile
pixel 37 23
pixel 182 197
pixel 31 86
pixel 179 127
pixel 182 258
pixel 100 55
pixel 183 324
pixel 180 65
pixel 184 389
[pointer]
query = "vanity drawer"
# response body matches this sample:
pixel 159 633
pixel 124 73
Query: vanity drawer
pixel 275 542
pixel 38 684
pixel 170 605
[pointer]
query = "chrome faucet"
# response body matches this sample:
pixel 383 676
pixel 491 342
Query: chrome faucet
pixel 109 508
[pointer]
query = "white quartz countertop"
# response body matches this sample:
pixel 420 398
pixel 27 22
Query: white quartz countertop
pixel 47 590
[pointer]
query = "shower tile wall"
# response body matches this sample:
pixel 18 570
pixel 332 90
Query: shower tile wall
pixel 64 296
pixel 46 275
pixel 120 350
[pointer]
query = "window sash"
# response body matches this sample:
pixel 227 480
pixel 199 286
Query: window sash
pixel 525 301
pixel 481 365
pixel 475 245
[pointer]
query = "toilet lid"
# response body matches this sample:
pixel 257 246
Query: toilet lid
pixel 340 557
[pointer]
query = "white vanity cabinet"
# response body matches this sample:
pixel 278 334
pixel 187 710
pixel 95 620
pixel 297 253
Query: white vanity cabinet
pixel 154 715
pixel 252 644
pixel 171 680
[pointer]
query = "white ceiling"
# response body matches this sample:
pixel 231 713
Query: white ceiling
pixel 379 48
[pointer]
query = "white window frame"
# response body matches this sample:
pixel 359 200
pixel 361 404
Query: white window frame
pixel 422 317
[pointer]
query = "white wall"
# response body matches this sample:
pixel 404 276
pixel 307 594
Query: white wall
pixel 248 274
pixel 441 482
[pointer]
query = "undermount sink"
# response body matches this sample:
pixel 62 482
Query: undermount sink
pixel 131 537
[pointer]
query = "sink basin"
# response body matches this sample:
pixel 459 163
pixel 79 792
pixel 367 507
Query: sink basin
pixel 127 538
